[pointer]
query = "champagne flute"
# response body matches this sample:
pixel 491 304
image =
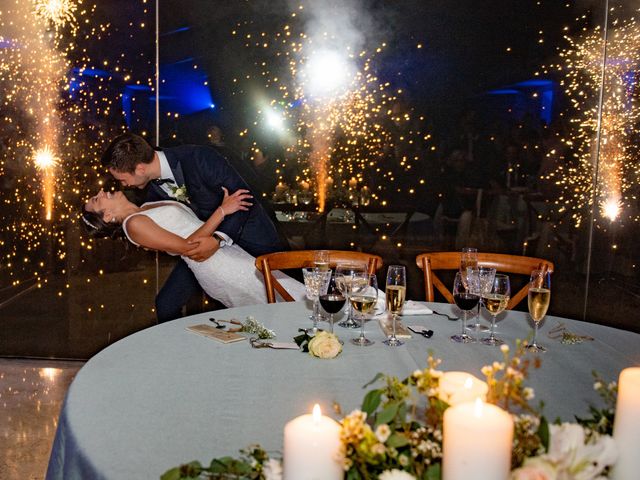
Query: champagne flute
pixel 363 298
pixel 496 302
pixel 482 281
pixel 344 273
pixel 395 293
pixel 466 301
pixel 321 259
pixel 468 259
pixel 538 299
pixel 316 283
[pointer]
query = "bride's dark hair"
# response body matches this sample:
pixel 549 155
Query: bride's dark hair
pixel 96 227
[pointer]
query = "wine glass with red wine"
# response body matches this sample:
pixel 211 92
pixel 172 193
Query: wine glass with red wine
pixel 332 302
pixel 466 301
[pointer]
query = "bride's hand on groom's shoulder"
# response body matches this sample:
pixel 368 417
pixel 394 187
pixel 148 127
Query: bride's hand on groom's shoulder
pixel 203 248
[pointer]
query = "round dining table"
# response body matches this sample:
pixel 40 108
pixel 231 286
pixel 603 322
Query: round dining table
pixel 165 395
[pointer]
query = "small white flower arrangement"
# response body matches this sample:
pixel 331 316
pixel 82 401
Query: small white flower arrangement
pixel 179 193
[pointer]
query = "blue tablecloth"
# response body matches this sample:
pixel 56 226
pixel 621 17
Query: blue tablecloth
pixel 165 396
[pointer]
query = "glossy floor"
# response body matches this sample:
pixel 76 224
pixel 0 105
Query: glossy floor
pixel 31 395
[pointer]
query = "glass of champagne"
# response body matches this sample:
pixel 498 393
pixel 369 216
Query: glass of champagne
pixel 468 259
pixel 395 293
pixel 321 259
pixel 496 302
pixel 344 273
pixel 363 299
pixel 482 282
pixel 539 298
pixel 463 286
pixel 316 283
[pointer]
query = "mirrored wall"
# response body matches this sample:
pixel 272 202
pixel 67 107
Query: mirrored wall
pixel 390 127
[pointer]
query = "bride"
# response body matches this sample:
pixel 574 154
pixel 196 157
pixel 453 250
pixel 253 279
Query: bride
pixel 229 275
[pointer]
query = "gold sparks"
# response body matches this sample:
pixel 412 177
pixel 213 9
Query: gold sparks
pixel 614 162
pixel 58 12
pixel 44 158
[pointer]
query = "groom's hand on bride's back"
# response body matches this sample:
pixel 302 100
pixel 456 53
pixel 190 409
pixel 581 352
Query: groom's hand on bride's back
pixel 203 248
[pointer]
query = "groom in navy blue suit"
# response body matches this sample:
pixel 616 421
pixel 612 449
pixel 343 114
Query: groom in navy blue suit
pixel 195 175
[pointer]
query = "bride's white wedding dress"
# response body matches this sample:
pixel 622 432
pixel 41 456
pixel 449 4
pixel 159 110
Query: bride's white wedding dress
pixel 230 275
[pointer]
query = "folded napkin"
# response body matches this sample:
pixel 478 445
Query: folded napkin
pixel 410 307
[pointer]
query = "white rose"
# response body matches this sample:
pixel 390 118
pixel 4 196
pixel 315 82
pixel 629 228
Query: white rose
pixel 325 345
pixel 535 469
pixel 396 475
pixel 272 469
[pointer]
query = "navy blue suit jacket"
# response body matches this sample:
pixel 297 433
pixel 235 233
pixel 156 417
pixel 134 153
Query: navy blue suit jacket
pixel 204 172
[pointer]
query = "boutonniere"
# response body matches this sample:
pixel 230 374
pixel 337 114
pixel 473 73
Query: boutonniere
pixel 179 193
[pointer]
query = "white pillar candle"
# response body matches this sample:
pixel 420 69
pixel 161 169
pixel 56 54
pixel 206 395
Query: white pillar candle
pixel 311 447
pixel 477 442
pixel 460 387
pixel 626 427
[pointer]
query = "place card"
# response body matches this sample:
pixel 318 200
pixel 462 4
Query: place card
pixel 215 333
pixel 386 324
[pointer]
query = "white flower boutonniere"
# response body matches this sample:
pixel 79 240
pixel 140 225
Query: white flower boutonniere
pixel 179 193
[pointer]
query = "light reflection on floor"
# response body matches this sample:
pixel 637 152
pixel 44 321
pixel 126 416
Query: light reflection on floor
pixel 31 395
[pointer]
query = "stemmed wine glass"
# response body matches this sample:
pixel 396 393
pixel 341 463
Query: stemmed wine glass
pixel 344 273
pixel 463 286
pixel 316 282
pixel 395 293
pixel 363 297
pixel 495 302
pixel 482 282
pixel 539 298
pixel 332 302
pixel 468 259
pixel 321 259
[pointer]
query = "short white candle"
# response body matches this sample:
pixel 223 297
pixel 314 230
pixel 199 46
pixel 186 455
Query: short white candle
pixel 477 442
pixel 460 387
pixel 311 447
pixel 626 427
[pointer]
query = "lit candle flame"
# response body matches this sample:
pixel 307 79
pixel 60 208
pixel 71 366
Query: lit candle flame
pixel 317 413
pixel 468 383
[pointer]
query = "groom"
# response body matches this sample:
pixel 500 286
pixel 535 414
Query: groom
pixel 194 175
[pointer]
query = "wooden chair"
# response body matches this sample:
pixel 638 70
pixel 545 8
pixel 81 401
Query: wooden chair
pixel 304 258
pixel 431 262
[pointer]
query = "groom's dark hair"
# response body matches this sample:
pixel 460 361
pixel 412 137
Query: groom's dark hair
pixel 125 152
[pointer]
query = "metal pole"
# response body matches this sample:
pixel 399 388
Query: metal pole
pixel 596 174
pixel 157 115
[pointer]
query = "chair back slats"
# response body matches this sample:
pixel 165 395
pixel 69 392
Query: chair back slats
pixel 305 258
pixel 515 264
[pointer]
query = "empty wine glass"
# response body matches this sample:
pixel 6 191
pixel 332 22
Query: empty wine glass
pixel 344 272
pixel 539 298
pixel 482 278
pixel 395 293
pixel 363 297
pixel 316 282
pixel 495 302
pixel 463 286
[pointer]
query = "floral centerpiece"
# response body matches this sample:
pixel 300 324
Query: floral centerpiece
pixel 397 434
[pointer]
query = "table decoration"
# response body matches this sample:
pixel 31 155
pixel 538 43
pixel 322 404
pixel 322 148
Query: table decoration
pixel 311 445
pixel 321 345
pixel 404 430
pixel 626 429
pixel 251 325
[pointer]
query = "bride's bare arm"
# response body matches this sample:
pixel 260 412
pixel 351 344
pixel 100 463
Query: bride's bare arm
pixel 239 200
pixel 148 234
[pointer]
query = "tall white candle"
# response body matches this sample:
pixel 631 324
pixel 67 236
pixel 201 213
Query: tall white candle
pixel 460 387
pixel 311 446
pixel 477 440
pixel 626 427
